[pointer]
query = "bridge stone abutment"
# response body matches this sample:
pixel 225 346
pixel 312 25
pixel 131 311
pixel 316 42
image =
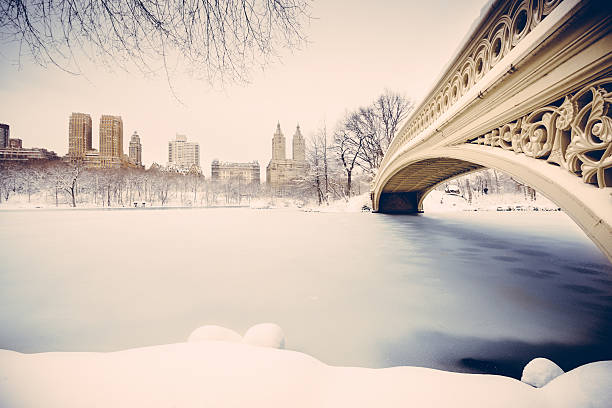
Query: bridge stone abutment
pixel 400 203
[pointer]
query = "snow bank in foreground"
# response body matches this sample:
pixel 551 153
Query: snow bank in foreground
pixel 230 374
pixel 353 204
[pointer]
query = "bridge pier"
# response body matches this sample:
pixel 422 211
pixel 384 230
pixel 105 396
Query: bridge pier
pixel 400 203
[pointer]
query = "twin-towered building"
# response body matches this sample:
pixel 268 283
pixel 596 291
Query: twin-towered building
pixel 110 154
pixel 282 172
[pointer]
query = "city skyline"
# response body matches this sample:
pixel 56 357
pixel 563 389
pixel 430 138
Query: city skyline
pixel 338 70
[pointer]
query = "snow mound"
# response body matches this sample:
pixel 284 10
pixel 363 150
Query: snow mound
pixel 211 332
pixel 265 335
pixel 540 371
pixel 589 386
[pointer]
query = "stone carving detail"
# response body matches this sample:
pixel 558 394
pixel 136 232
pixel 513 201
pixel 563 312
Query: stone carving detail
pixel 514 22
pixel 574 133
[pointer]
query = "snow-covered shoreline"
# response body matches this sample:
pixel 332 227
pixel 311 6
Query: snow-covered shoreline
pixel 436 201
pixel 203 373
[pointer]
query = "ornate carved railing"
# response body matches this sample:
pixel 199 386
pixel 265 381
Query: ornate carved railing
pixel 575 132
pixel 499 31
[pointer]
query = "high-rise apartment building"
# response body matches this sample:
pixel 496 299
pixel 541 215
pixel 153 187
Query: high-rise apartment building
pixel 183 154
pixel 135 150
pixel 79 135
pixel 5 133
pixel 111 141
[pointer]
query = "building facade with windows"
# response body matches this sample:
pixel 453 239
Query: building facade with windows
pixel 246 173
pixel 11 149
pixel 79 135
pixel 182 155
pixel 111 141
pixel 15 152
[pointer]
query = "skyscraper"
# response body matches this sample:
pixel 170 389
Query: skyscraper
pixel 79 135
pixel 111 140
pixel 135 150
pixel 183 154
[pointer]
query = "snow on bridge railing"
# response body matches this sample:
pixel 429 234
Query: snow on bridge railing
pixel 500 27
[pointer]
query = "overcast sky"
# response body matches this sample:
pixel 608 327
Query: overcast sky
pixel 357 49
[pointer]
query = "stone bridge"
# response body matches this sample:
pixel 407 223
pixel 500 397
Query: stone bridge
pixel 529 92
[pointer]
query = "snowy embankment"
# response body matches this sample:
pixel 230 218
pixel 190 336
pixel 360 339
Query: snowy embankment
pixel 438 201
pixel 353 204
pixel 219 368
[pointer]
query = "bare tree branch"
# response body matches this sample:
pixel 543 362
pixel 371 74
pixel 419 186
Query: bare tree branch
pixel 217 40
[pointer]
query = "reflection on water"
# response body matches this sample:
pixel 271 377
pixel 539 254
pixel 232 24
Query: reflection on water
pixel 473 292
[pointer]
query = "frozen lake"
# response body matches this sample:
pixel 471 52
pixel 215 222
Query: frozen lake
pixel 473 292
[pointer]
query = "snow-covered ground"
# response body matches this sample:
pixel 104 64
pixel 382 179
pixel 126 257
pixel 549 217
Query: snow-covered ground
pixel 214 373
pixel 436 201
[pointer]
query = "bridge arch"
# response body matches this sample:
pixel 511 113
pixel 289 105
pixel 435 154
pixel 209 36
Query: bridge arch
pixel 406 182
pixel 529 92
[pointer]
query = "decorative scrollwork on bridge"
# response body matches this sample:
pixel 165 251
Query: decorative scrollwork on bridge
pixel 575 132
pixel 514 21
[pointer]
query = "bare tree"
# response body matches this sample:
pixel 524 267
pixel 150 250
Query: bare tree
pixel 29 175
pixel 215 39
pixel 315 176
pixel 391 108
pixel 8 179
pixel 324 172
pixel 162 183
pixel 349 142
pixel 195 179
pixel 366 133
pixel 68 177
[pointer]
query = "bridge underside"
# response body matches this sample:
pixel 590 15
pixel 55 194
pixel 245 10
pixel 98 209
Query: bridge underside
pixel 539 109
pixel 404 192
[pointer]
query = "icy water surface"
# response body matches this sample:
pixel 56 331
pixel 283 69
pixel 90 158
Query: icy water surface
pixel 472 292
